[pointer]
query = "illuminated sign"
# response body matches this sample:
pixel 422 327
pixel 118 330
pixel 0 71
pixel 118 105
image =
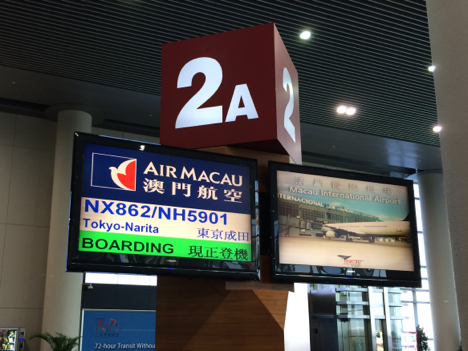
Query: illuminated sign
pixel 141 209
pixel 117 330
pixel 331 224
pixel 232 88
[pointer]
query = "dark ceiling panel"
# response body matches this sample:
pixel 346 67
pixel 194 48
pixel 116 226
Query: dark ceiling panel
pixel 372 54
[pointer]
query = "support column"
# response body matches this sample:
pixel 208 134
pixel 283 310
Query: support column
pixel 448 29
pixel 297 324
pixel 439 261
pixel 62 301
pixel 212 315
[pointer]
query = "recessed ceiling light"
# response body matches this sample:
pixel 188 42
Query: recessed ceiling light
pixel 341 109
pixel 437 129
pixel 431 68
pixel 350 111
pixel 306 34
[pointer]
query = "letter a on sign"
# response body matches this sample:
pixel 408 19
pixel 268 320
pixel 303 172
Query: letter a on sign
pixel 241 92
pixel 231 88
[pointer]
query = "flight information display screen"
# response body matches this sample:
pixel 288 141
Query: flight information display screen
pixel 145 208
pixel 330 224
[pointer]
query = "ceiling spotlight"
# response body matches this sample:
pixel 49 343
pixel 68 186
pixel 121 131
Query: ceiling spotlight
pixel 431 68
pixel 350 111
pixel 437 129
pixel 341 109
pixel 305 35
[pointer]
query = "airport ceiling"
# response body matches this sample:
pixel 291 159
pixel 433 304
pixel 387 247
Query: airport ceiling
pixel 371 54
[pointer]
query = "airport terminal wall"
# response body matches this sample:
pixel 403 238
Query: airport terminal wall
pixel 27 152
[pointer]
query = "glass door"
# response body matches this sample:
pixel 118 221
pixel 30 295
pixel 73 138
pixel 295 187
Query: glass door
pixel 354 335
pixel 380 334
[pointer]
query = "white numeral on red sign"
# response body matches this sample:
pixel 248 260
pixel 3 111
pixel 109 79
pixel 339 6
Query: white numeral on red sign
pixel 290 106
pixel 191 115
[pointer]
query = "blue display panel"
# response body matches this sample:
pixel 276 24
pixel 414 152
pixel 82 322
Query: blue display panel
pixel 145 208
pixel 118 330
pixel 145 177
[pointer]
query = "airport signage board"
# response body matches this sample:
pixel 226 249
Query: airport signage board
pixel 332 226
pixel 233 88
pixel 144 208
pixel 118 330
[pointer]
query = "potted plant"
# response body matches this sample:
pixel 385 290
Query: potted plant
pixel 60 342
pixel 422 339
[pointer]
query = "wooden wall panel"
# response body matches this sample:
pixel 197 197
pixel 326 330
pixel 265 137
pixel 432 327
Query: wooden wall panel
pixel 200 315
pixel 275 302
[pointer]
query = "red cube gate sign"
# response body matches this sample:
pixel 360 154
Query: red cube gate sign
pixel 236 88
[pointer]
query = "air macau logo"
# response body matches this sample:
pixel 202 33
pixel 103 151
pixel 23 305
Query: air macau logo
pixel 113 172
pixel 125 175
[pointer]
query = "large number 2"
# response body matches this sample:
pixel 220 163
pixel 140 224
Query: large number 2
pixel 191 114
pixel 290 106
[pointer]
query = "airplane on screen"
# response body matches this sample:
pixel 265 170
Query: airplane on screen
pixel 367 230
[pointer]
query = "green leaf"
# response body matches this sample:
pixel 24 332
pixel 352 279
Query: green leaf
pixel 423 344
pixel 60 342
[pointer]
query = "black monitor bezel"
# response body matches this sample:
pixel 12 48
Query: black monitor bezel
pixel 198 269
pixel 398 279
